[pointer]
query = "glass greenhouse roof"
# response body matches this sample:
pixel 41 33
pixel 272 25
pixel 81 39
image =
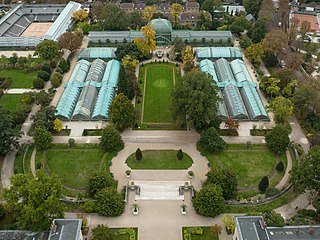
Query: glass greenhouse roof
pixel 97 52
pixel 218 52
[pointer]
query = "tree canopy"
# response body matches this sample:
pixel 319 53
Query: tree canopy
pixel 102 232
pixel 226 179
pixel 99 180
pixel 255 53
pixel 195 100
pixel 110 139
pixel 42 138
pixel 9 134
pixel 122 112
pixel 282 108
pixel 278 139
pixel 209 201
pixel 109 202
pixel 113 18
pixel 210 140
pixel 71 41
pixel 34 200
pixel 274 42
pixel 47 50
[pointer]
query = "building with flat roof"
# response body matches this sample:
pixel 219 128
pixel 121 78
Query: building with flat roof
pixel 165 35
pixel 66 229
pixel 25 26
pixel 254 228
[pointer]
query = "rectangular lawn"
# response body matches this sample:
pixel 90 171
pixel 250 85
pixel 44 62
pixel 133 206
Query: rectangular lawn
pixel 207 234
pixel 10 101
pixel 250 166
pixel 159 81
pixel 74 166
pixel 20 79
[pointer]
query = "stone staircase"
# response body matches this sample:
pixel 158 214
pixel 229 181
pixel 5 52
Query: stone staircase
pixel 159 190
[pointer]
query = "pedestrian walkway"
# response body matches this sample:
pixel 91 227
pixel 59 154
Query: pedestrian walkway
pixel 282 184
pixel 20 90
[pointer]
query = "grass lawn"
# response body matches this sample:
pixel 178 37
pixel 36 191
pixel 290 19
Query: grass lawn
pixel 250 166
pixel 125 236
pixel 157 95
pixel 159 159
pixel 74 166
pixel 20 79
pixel 207 234
pixel 10 101
pixel 18 162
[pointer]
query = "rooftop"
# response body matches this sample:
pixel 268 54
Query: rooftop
pixel 65 229
pixel 22 235
pixel 294 233
pixel 251 228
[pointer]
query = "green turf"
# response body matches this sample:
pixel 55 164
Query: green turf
pixel 10 101
pixel 250 166
pixel 74 166
pixel 157 99
pixel 20 79
pixel 207 234
pixel 159 159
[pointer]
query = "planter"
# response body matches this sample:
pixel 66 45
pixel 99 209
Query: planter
pixel 183 212
pixel 190 176
pixel 128 176
pixel 135 211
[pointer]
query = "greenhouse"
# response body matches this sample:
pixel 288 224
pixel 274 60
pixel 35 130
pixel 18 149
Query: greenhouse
pixel 165 35
pixel 207 67
pixel 241 99
pixel 93 53
pixel 72 90
pixel 248 91
pixel 90 91
pixel 215 53
pixel 107 91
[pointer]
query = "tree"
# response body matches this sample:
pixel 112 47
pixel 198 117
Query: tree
pixel 47 49
pixel 43 98
pixel 266 11
pixel 129 49
pixel 285 75
pixel 175 11
pixel 226 179
pixel 306 176
pixel 110 139
pixel 245 42
pixel 113 18
pixel 102 232
pixel 99 180
pixel 34 200
pixel 270 86
pixel 43 119
pixel 304 28
pixel 288 90
pixel 80 16
pixel 284 10
pixel 282 108
pixel 212 6
pixel 239 24
pixel 257 32
pixel 228 220
pixel 305 99
pixel 138 154
pixel 122 112
pixel 280 166
pixel 9 135
pixel 45 76
pixel 124 85
pixel 278 139
pixel 211 141
pixel 255 53
pixel 195 100
pixel 149 44
pixel 273 219
pixel 252 6
pixel 135 19
pixel 70 41
pixel 274 42
pixel 42 138
pixel 187 57
pixel 147 13
pixel 179 154
pixel 209 201
pixel 264 184
pixel 57 125
pixel 109 202
pixel 56 79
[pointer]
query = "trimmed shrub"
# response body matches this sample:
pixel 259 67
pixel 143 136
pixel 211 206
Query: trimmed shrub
pixel 180 155
pixel 211 141
pixel 64 65
pixel 71 142
pixel 46 67
pixel 44 75
pixel 38 83
pixel 264 184
pixel 59 70
pixel 89 207
pixel 272 192
pixel 138 155
pixel 280 167
pixel 56 79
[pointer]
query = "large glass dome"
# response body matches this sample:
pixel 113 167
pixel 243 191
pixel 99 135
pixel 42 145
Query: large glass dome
pixel 161 26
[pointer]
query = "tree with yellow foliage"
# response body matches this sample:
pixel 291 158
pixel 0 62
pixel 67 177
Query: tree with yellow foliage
pixel 129 62
pixel 149 44
pixel 148 12
pixel 175 11
pixel 80 16
pixel 57 125
pixel 187 57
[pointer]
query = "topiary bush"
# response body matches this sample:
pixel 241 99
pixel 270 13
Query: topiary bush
pixel 38 83
pixel 179 154
pixel 71 142
pixel 56 79
pixel 138 155
pixel 45 76
pixel 280 167
pixel 264 184
pixel 270 192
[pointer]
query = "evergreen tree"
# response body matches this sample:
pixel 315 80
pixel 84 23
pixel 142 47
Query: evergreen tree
pixel 139 155
pixel 264 184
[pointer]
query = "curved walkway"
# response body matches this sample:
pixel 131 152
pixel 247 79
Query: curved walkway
pixel 286 175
